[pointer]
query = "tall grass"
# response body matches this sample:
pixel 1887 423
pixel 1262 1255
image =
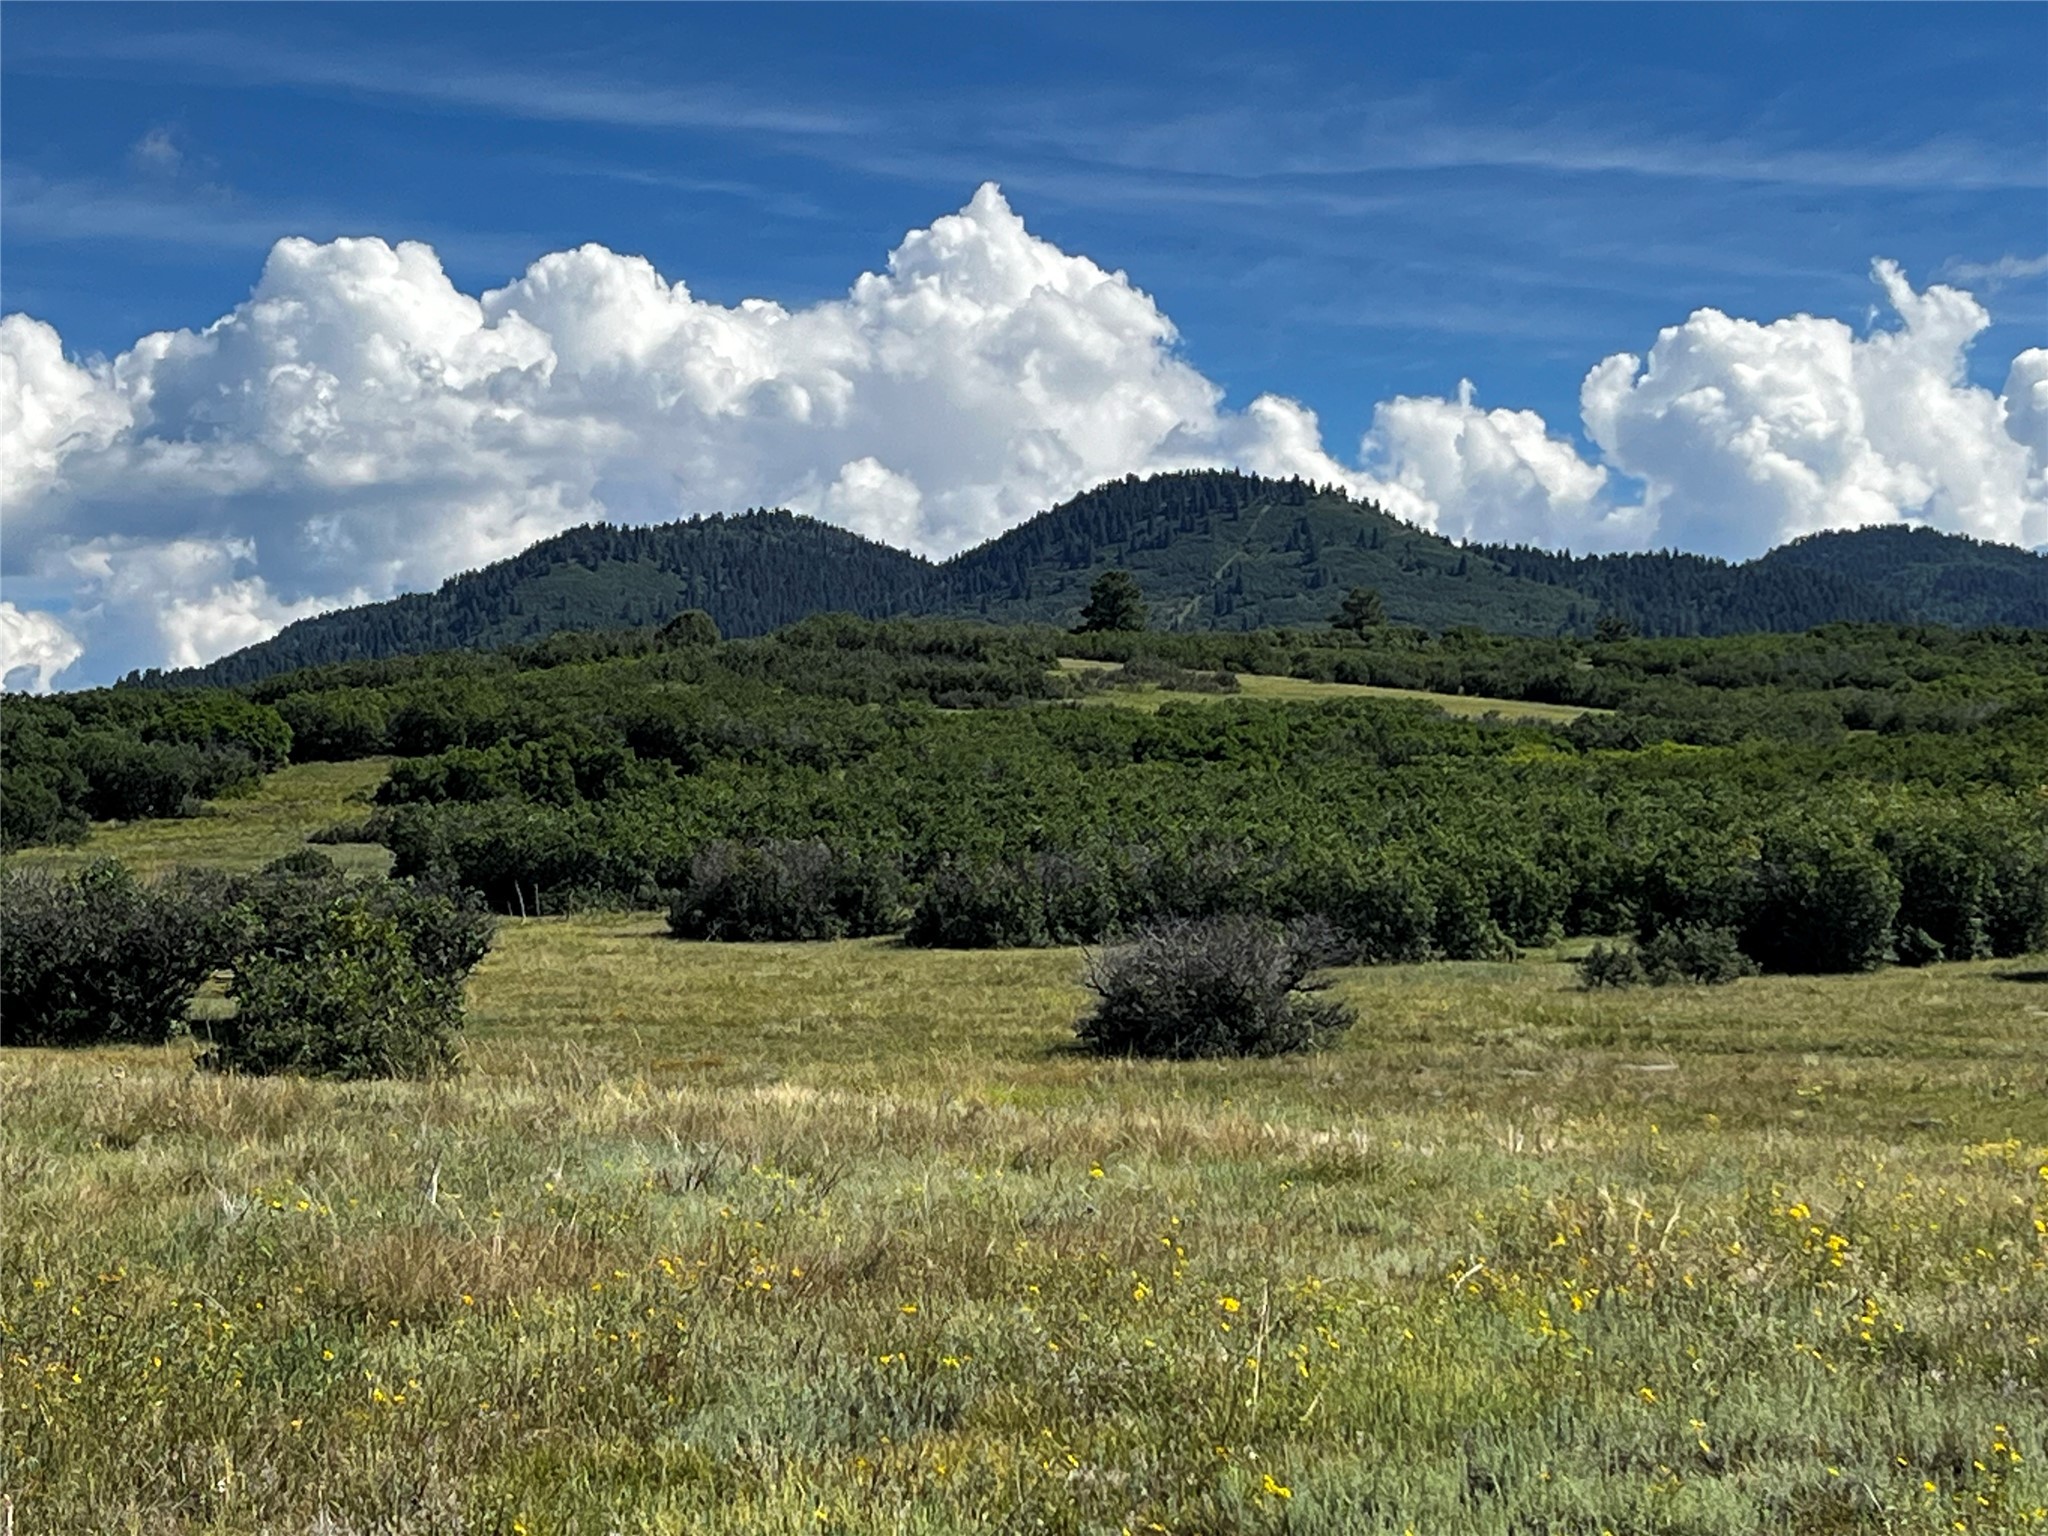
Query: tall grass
pixel 848 1238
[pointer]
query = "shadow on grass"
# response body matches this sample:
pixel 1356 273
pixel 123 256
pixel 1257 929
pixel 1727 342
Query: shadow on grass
pixel 2036 978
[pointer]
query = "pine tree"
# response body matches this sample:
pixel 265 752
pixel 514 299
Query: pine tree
pixel 1360 611
pixel 1114 603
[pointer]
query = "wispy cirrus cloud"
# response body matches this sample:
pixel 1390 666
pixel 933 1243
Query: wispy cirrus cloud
pixel 558 95
pixel 204 220
pixel 1993 275
pixel 1408 131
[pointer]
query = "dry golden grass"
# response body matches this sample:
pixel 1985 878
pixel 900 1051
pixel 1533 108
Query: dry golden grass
pixel 846 1238
pixel 1471 706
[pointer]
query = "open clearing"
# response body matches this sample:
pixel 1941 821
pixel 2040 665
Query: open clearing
pixel 1251 686
pixel 842 1238
pixel 242 832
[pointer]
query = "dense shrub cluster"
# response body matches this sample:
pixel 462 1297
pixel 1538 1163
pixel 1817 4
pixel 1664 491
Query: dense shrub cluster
pixel 785 889
pixel 101 957
pixel 119 755
pixel 823 780
pixel 330 976
pixel 1683 954
pixel 1695 955
pixel 352 999
pixel 1223 986
pixel 1411 834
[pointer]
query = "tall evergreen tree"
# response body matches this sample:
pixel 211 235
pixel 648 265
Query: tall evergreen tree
pixel 1360 611
pixel 1114 603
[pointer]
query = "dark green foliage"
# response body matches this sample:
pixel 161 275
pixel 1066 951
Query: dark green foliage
pixel 1694 954
pixel 977 906
pixel 1115 604
pixel 1823 900
pixel 784 888
pixel 447 928
pixel 1377 913
pixel 337 726
pixel 335 977
pixel 1151 672
pixel 1032 900
pixel 332 977
pixel 597 768
pixel 101 957
pixel 1465 928
pixel 1226 986
pixel 1946 869
pixel 691 627
pixel 1361 610
pixel 1611 965
pixel 354 1001
pixel 1690 954
pixel 599 773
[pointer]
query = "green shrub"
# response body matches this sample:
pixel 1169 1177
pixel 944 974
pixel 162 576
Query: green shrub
pixel 1464 927
pixel 1611 965
pixel 1915 946
pixel 1945 878
pixel 449 930
pixel 1694 953
pixel 1226 986
pixel 785 889
pixel 1207 879
pixel 2016 900
pixel 1035 899
pixel 691 627
pixel 337 725
pixel 1823 901
pixel 100 957
pixel 355 1002
pixel 1378 913
pixel 977 906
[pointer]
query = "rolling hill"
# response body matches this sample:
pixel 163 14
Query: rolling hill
pixel 1212 549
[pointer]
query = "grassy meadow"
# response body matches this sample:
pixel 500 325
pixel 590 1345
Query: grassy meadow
pixel 242 832
pixel 1302 689
pixel 845 1238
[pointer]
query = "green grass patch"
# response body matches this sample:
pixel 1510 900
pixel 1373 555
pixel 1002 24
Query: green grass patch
pixel 243 832
pixel 1305 690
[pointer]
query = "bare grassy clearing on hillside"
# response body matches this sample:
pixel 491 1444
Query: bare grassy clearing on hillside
pixel 845 1238
pixel 242 832
pixel 1300 689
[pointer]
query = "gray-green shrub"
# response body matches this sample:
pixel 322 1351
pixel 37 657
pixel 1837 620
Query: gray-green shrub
pixel 1224 986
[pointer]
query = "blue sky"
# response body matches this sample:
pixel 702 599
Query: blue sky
pixel 1338 203
pixel 1719 276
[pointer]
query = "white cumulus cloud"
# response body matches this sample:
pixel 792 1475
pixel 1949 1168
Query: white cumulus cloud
pixel 360 426
pixel 1747 434
pixel 1494 475
pixel 34 648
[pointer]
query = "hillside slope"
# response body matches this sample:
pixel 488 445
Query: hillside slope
pixel 752 573
pixel 1212 549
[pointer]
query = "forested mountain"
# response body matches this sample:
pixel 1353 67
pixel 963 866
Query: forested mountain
pixel 1212 549
pixel 1216 549
pixel 1887 575
pixel 753 573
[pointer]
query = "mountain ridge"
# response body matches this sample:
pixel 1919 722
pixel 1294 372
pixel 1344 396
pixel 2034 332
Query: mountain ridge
pixel 1212 549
